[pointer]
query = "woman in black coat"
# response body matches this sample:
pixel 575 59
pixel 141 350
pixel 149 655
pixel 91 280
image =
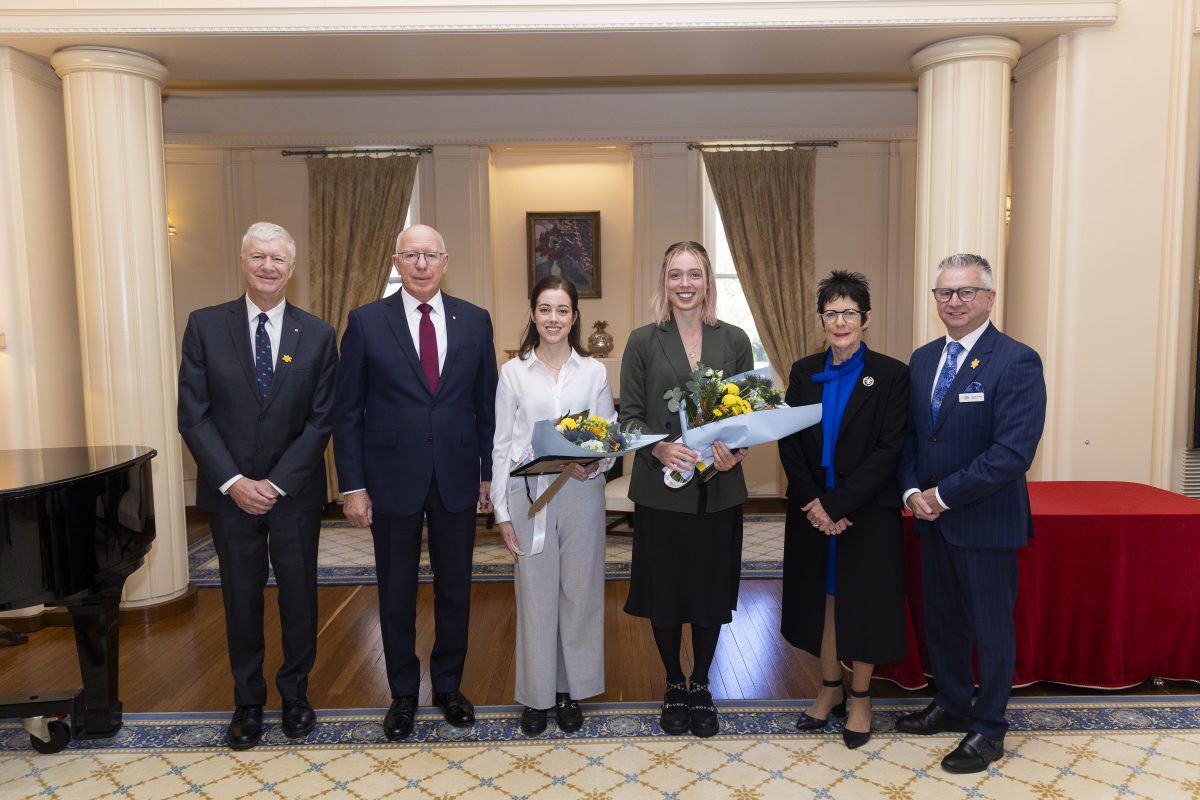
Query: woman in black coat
pixel 843 558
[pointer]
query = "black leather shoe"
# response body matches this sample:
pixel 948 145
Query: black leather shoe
pixel 458 710
pixel 298 719
pixel 809 723
pixel 674 716
pixel 973 754
pixel 702 714
pixel 533 721
pixel 398 722
pixel 245 729
pixel 570 715
pixel 856 739
pixel 932 719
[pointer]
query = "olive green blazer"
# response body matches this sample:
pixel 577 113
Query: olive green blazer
pixel 654 363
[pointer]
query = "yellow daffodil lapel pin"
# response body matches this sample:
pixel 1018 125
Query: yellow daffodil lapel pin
pixel 288 359
pixel 975 363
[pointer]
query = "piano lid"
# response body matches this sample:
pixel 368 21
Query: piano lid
pixel 25 470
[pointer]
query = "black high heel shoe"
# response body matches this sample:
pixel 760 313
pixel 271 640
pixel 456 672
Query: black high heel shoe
pixel 807 723
pixel 856 739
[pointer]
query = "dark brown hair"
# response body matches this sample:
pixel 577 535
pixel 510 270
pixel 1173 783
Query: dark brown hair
pixel 531 338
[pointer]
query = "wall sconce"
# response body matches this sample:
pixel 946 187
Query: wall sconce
pixel 170 230
pixel 1007 209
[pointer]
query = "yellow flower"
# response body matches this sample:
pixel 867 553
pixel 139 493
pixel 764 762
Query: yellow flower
pixel 731 400
pixel 974 363
pixel 569 423
pixel 286 359
pixel 732 389
pixel 717 412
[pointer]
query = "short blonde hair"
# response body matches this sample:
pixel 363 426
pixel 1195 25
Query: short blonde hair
pixel 660 304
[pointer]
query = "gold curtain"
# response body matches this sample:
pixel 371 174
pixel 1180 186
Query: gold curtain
pixel 766 202
pixel 356 208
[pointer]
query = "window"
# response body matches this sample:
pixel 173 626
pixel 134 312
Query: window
pixel 731 300
pixel 393 282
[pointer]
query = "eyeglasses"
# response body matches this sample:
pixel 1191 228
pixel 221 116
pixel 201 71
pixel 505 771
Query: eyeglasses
pixel 411 257
pixel 850 315
pixel 965 294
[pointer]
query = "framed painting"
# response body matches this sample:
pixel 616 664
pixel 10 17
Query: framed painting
pixel 565 243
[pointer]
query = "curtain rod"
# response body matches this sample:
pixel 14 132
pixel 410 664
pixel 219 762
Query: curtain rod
pixel 764 145
pixel 363 151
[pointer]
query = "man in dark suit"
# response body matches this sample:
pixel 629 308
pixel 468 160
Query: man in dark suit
pixel 415 414
pixel 256 410
pixel 977 407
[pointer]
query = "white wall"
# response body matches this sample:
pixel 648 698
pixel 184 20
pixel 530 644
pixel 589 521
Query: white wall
pixel 41 388
pixel 585 180
pixel 1101 275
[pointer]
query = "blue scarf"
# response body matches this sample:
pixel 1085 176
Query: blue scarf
pixel 839 380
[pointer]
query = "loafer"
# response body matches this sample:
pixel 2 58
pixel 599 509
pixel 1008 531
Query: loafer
pixel 457 709
pixel 570 715
pixel 398 722
pixel 932 719
pixel 245 729
pixel 298 719
pixel 973 754
pixel 702 714
pixel 533 721
pixel 673 718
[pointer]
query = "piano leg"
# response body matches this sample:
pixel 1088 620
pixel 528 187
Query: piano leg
pixel 97 639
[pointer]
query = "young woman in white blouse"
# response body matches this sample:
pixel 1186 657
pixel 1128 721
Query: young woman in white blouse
pixel 559 554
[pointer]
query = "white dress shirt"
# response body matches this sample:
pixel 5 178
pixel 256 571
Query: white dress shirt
pixel 438 316
pixel 274 328
pixel 527 393
pixel 967 342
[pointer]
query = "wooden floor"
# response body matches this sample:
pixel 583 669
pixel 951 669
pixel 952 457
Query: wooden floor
pixel 180 663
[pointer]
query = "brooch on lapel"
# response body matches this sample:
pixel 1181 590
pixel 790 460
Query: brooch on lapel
pixel 286 359
pixel 868 381
pixel 974 363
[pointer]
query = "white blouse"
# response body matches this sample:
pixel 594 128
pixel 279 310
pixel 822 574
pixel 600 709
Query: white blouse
pixel 527 393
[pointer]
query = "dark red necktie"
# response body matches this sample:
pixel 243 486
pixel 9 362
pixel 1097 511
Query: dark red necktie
pixel 429 353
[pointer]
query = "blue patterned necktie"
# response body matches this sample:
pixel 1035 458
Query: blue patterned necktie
pixel 263 364
pixel 945 378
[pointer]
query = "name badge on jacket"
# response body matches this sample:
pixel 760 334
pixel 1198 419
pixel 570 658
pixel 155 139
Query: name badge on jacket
pixel 972 394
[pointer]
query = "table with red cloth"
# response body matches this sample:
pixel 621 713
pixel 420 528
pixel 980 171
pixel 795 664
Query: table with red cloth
pixel 1109 592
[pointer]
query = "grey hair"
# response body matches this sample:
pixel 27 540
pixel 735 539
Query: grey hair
pixel 967 260
pixel 269 232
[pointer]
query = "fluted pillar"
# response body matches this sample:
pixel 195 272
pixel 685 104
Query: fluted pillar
pixel 113 103
pixel 963 102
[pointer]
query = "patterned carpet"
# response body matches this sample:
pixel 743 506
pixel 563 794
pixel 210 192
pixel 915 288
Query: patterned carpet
pixel 347 555
pixel 1058 748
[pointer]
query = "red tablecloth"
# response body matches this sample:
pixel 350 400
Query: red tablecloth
pixel 1109 589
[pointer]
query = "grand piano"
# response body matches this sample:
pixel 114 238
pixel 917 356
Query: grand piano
pixel 75 522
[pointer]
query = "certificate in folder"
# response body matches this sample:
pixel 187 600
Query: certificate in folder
pixel 546 465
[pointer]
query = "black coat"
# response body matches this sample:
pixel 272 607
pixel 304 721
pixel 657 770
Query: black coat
pixel 869 612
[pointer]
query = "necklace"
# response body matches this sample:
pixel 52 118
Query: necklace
pixel 553 367
pixel 692 350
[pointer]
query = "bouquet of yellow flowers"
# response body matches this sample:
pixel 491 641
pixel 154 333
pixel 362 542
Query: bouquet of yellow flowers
pixel 740 411
pixel 592 433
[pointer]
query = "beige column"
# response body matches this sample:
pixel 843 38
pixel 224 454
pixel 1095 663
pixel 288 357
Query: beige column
pixel 113 102
pixel 963 102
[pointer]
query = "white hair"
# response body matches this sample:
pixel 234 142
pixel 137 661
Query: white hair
pixel 269 232
pixel 440 238
pixel 966 261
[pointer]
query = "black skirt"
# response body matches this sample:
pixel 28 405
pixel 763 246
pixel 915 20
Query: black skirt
pixel 686 567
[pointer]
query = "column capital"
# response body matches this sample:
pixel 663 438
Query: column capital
pixel 107 59
pixel 967 48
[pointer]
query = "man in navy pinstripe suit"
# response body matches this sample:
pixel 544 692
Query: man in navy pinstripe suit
pixel 977 405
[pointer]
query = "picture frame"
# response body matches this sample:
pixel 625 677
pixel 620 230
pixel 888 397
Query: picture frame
pixel 565 243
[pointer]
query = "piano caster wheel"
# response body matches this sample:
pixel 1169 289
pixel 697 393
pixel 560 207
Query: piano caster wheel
pixel 57 735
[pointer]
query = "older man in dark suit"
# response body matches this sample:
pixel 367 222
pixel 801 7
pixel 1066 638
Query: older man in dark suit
pixel 977 407
pixel 415 415
pixel 256 410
